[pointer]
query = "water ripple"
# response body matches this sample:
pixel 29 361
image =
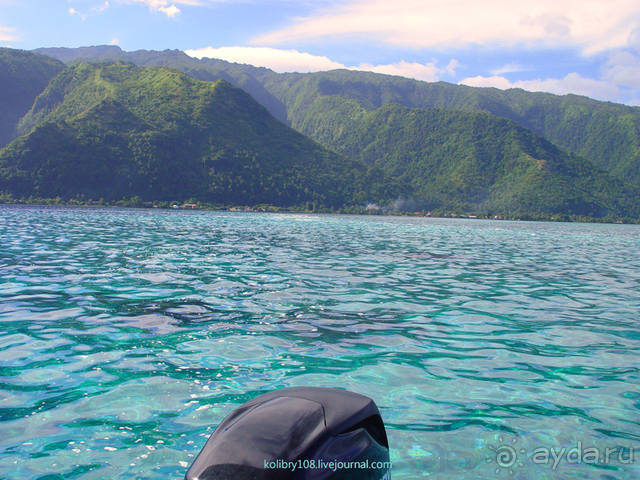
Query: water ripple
pixel 127 335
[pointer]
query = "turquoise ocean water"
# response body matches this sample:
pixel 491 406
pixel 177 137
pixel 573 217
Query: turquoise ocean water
pixel 493 349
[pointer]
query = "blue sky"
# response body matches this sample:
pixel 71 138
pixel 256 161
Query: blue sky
pixel 588 47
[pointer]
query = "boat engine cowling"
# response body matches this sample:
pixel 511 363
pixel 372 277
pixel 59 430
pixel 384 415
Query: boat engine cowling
pixel 299 433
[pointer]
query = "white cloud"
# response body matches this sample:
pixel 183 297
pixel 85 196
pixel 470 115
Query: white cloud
pixel 623 68
pixel 452 66
pixel 495 81
pixel 73 11
pixel 281 60
pixel 7 34
pixel 428 72
pixel 571 83
pixel 167 7
pixel 619 80
pixel 273 58
pixel 592 25
pixel 100 8
pixel 114 41
pixel 509 68
pixel 95 10
pixel 170 11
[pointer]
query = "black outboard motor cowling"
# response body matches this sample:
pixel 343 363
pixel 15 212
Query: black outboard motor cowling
pixel 300 433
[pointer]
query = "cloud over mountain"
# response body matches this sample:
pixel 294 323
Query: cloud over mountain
pixel 591 25
pixel 282 60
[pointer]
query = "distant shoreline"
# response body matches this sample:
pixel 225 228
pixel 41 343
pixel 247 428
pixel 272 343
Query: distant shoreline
pixel 353 210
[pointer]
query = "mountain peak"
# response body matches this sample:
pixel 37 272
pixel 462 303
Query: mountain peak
pixel 114 131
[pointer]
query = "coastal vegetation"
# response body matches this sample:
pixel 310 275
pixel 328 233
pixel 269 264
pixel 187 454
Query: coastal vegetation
pixel 110 132
pixel 115 131
pixel 607 134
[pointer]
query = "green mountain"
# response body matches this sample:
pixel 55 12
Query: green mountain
pixel 605 133
pixel 23 75
pixel 247 77
pixel 470 161
pixel 115 131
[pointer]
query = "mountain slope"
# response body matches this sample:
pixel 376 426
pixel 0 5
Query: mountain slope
pixel 23 75
pixel 246 77
pixel 470 161
pixel 605 133
pixel 114 130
